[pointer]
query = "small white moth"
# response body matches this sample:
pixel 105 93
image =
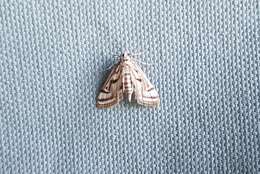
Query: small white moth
pixel 127 79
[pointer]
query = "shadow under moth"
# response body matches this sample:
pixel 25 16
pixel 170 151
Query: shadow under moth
pixel 127 80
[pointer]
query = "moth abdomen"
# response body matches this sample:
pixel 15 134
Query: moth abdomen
pixel 127 84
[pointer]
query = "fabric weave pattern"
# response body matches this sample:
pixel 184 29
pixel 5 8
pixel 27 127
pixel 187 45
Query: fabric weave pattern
pixel 206 60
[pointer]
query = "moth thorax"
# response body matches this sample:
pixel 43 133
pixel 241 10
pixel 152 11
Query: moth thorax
pixel 127 85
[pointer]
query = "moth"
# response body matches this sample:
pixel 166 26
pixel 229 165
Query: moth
pixel 127 80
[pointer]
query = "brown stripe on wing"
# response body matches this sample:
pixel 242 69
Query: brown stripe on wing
pixel 152 88
pixel 153 97
pixel 140 80
pixel 105 99
pixel 108 85
pixel 106 105
pixel 105 91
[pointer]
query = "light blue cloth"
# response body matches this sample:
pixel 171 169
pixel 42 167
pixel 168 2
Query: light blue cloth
pixel 206 67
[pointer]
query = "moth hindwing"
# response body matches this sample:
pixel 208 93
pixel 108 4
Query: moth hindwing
pixel 127 80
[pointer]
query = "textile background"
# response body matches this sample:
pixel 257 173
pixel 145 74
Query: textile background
pixel 205 65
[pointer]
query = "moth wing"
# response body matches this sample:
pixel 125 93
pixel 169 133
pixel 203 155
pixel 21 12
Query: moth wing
pixel 111 92
pixel 145 93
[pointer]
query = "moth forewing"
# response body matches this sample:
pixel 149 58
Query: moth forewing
pixel 111 92
pixel 144 90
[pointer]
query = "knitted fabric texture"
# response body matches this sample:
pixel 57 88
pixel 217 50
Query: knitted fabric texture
pixel 205 60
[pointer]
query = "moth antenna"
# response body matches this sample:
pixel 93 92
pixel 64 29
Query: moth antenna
pixel 137 54
pixel 111 65
pixel 145 63
pixel 116 55
pixel 108 68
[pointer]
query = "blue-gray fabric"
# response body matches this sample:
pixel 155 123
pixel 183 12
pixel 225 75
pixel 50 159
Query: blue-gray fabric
pixel 205 57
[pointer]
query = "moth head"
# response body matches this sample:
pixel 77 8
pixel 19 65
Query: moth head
pixel 125 56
